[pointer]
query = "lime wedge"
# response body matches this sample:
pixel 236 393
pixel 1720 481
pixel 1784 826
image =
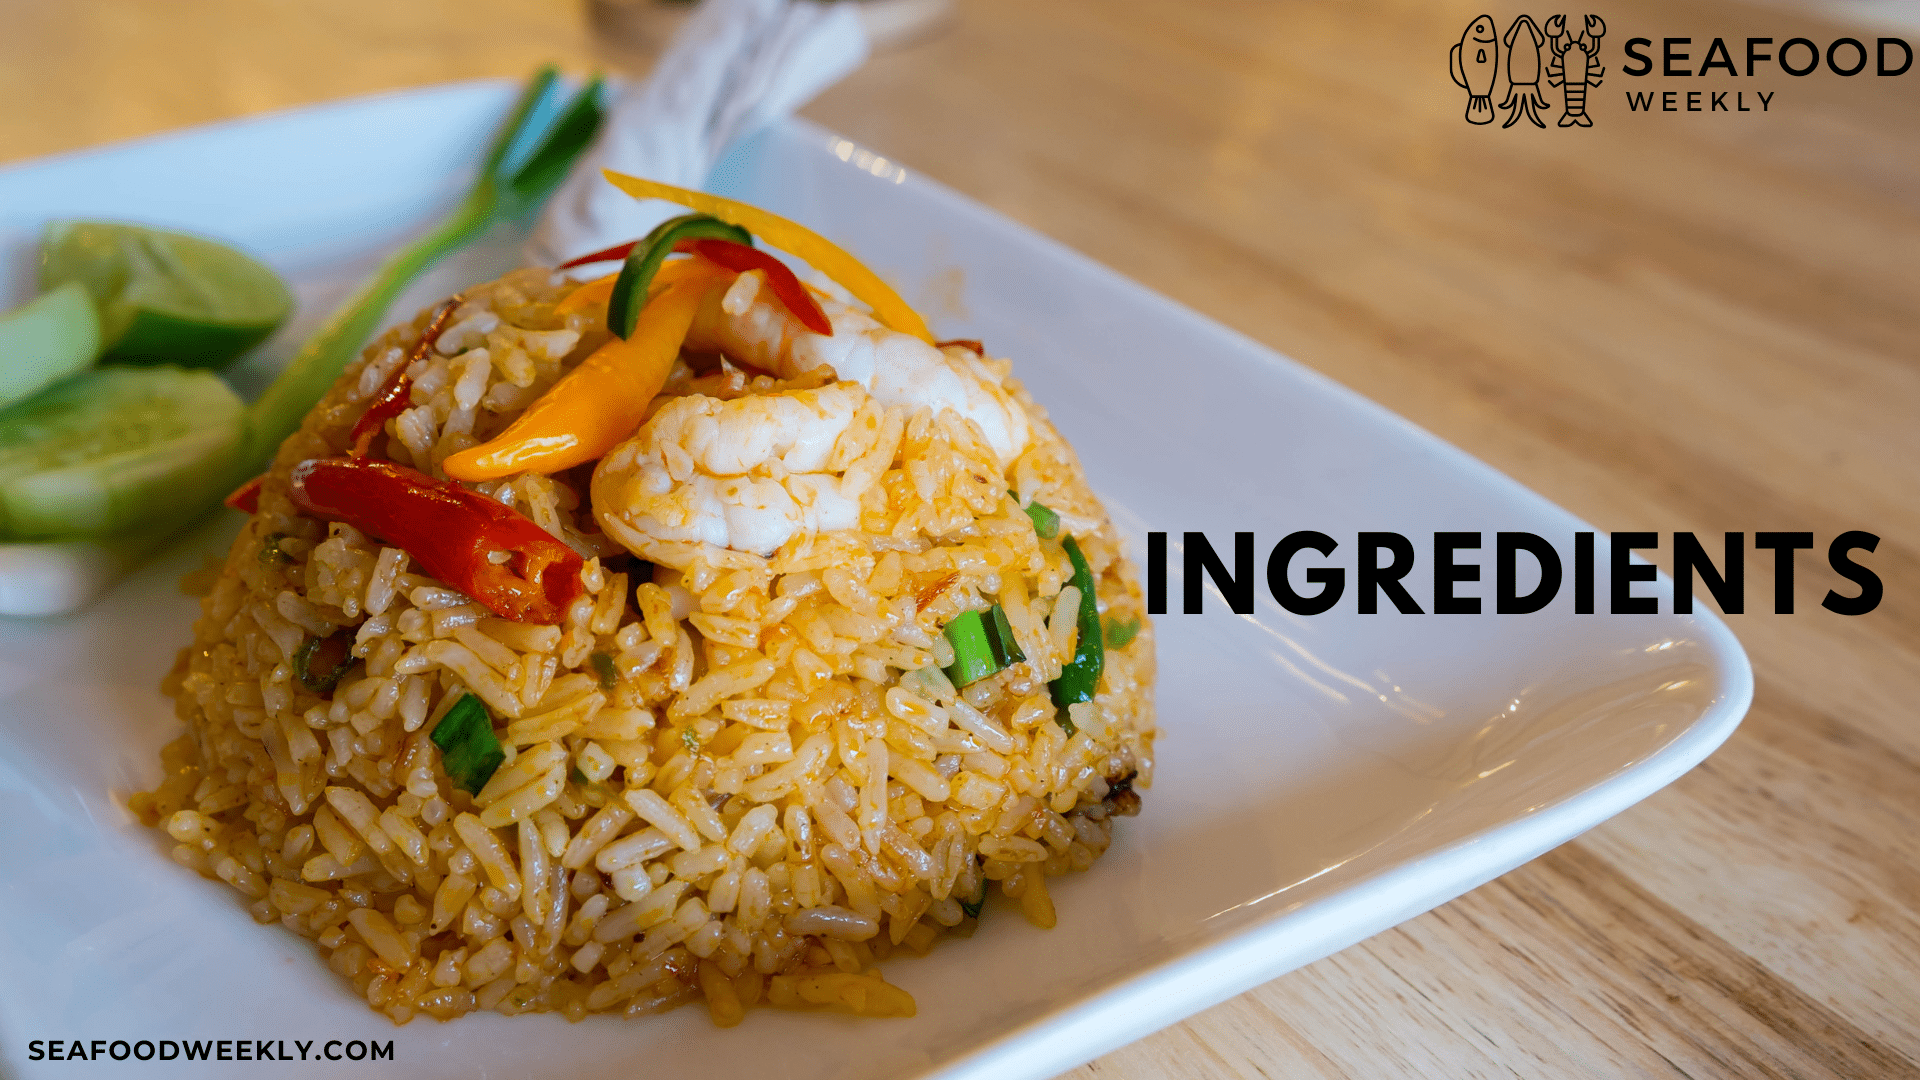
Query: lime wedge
pixel 116 449
pixel 165 297
pixel 46 341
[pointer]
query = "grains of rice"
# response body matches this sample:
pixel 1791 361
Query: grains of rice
pixel 778 789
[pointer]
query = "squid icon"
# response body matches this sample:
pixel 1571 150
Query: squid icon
pixel 1573 65
pixel 1475 66
pixel 1523 73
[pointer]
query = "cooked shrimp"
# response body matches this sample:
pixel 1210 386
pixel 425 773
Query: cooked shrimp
pixel 751 326
pixel 746 474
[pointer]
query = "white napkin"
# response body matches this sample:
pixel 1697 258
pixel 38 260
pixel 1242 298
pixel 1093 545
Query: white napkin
pixel 734 66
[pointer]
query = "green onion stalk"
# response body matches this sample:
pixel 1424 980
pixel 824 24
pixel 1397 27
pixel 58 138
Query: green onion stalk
pixel 513 182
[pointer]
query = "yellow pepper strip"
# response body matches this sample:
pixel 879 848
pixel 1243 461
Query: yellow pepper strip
pixel 597 404
pixel 593 294
pixel 823 254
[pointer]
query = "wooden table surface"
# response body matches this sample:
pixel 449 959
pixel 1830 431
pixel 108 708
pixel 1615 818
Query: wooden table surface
pixel 1675 321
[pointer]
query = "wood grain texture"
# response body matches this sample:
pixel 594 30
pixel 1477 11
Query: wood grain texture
pixel 1666 322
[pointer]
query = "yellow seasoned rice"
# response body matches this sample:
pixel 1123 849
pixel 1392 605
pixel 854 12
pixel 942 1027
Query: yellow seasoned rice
pixel 780 788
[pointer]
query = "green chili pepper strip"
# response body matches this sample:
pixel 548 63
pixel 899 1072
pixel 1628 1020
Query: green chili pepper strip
pixel 1079 679
pixel 636 274
pixel 468 749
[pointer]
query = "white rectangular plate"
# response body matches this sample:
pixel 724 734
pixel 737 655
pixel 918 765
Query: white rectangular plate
pixel 1320 779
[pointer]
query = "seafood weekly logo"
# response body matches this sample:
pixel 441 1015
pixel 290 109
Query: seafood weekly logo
pixel 1572 63
pixel 1742 71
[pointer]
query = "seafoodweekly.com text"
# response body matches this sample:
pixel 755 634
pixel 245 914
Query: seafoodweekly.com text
pixel 209 1050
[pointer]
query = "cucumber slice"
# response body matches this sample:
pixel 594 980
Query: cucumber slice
pixel 116 449
pixel 46 341
pixel 166 297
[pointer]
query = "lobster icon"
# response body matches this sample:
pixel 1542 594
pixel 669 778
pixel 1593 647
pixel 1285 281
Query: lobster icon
pixel 1523 74
pixel 1573 65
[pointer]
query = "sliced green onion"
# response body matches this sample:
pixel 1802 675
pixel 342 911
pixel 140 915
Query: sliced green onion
pixel 321 662
pixel 636 274
pixel 1121 632
pixel 592 792
pixel 1045 522
pixel 469 752
pixel 1079 679
pixel 972 653
pixel 972 908
pixel 1004 644
pixel 603 667
pixel 690 739
pixel 983 643
pixel 537 177
pixel 270 553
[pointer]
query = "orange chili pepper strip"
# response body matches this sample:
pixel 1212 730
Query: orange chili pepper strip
pixel 602 401
pixel 593 294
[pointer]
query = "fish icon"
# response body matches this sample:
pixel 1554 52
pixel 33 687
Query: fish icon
pixel 1475 65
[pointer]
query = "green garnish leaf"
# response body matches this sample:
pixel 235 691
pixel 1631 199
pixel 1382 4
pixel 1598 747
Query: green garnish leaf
pixel 603 667
pixel 321 662
pixel 469 751
pixel 270 553
pixel 1121 632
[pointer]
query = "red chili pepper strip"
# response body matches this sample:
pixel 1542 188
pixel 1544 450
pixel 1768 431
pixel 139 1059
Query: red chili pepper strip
pixel 453 532
pixel 740 258
pixel 617 251
pixel 397 394
pixel 246 497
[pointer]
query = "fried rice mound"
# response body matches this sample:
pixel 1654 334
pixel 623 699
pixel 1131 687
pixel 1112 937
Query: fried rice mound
pixel 742 781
